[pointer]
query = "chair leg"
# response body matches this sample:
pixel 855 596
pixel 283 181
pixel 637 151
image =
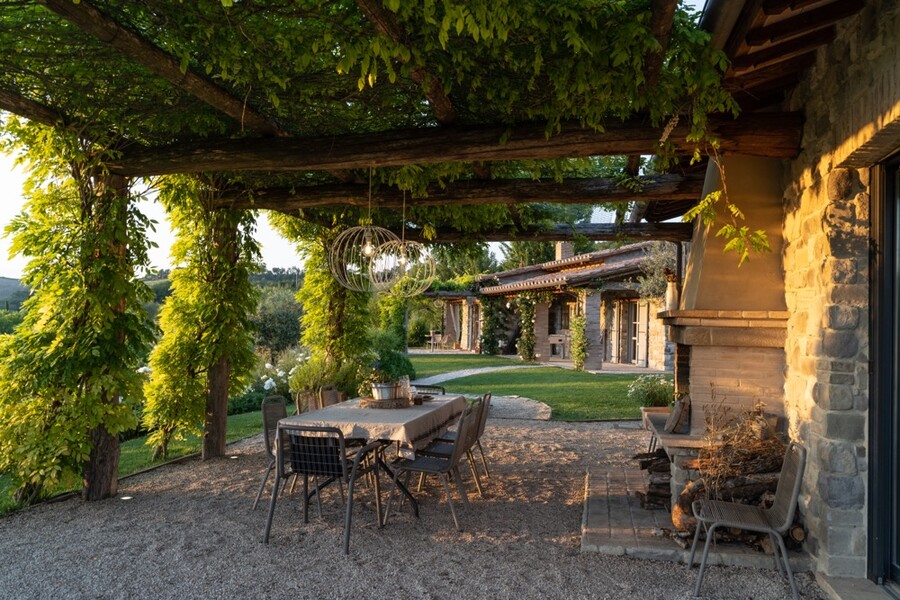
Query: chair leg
pixel 387 510
pixel 694 545
pixel 778 566
pixel 483 461
pixel 305 498
pixel 263 484
pixel 475 476
pixel 374 473
pixel 271 508
pixel 460 487
pixel 710 534
pixel 450 501
pixel 787 567
pixel 421 482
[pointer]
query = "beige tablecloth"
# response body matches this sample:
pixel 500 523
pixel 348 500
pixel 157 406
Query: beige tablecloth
pixel 415 425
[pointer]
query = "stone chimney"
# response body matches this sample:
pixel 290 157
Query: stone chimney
pixel 564 250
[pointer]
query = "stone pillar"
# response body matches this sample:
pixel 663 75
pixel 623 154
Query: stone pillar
pixel 465 324
pixel 541 328
pixel 593 332
pixel 564 250
pixel 826 274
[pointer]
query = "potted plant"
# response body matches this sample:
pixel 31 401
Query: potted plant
pixel 388 366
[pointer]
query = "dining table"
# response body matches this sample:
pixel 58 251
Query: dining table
pixel 412 427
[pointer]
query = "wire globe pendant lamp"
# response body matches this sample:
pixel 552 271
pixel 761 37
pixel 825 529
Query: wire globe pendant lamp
pixel 351 254
pixel 405 268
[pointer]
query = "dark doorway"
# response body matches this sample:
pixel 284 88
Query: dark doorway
pixel 884 424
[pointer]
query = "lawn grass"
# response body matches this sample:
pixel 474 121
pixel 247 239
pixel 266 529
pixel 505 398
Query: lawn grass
pixel 571 395
pixel 427 365
pixel 135 454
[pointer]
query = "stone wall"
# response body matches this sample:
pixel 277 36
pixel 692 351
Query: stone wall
pixel 851 99
pixel 660 350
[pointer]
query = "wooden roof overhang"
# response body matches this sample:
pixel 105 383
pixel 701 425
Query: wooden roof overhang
pixel 229 128
pixel 593 276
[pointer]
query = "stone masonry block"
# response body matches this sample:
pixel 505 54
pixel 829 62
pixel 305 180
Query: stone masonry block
pixel 845 243
pixel 841 270
pixel 849 294
pixel 838 458
pixel 848 541
pixel 843 425
pixel 841 378
pixel 840 344
pixel 833 397
pixel 840 491
pixel 838 316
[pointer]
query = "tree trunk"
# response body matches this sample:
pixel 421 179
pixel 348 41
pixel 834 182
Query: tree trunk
pixel 216 409
pixel 101 473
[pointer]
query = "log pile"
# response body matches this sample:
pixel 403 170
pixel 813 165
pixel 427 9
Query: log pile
pixel 658 467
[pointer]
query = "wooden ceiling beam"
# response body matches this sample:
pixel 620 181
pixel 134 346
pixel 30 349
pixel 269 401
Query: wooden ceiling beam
pixel 385 22
pixel 776 7
pixel 605 232
pixel 785 50
pixel 597 232
pixel 93 22
pixel 749 18
pixel 653 188
pixel 762 78
pixel 804 22
pixel 773 135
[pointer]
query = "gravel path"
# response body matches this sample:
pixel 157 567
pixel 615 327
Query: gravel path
pixel 187 531
pixel 435 379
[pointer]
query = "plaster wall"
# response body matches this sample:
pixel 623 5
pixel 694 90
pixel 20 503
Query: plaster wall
pixel 851 101
pixel 713 279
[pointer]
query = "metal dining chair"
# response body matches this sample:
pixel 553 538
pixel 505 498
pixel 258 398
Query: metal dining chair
pixel 274 408
pixel 443 447
pixel 449 436
pixel 775 521
pixel 321 452
pixel 445 467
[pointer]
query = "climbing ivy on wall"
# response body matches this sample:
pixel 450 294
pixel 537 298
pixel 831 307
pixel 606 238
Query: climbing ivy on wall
pixel 578 344
pixel 525 308
pixel 491 311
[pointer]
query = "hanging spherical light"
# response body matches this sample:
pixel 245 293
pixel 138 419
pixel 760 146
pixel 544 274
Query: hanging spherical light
pixel 404 268
pixel 352 252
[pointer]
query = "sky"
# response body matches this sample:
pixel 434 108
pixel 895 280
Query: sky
pixel 276 251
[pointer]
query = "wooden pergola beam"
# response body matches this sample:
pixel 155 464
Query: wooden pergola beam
pixel 671 232
pixel 385 22
pixel 31 110
pixel 94 22
pixel 772 135
pixel 661 28
pixel 653 188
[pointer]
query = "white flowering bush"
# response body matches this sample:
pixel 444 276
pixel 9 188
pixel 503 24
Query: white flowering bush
pixel 652 390
pixel 269 380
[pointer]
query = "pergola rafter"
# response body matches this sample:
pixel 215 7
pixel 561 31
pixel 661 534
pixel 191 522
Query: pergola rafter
pixel 433 87
pixel 97 24
pixel 652 188
pixel 772 135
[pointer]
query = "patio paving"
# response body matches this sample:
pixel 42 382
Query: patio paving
pixel 614 523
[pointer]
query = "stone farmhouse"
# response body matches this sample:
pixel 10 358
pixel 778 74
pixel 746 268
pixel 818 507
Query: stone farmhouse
pixel 811 328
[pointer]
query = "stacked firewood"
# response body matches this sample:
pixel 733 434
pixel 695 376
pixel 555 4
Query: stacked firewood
pixel 658 467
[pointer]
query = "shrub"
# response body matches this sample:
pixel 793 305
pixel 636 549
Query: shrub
pixel 418 333
pixel 652 390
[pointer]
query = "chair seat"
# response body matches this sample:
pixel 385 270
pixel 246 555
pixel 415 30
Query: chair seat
pixel 732 514
pixel 427 464
pixel 437 448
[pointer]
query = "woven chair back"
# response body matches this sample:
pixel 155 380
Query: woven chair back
pixel 317 451
pixel 788 490
pixel 274 408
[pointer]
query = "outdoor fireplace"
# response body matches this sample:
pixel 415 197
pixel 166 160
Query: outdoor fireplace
pixel 731 322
